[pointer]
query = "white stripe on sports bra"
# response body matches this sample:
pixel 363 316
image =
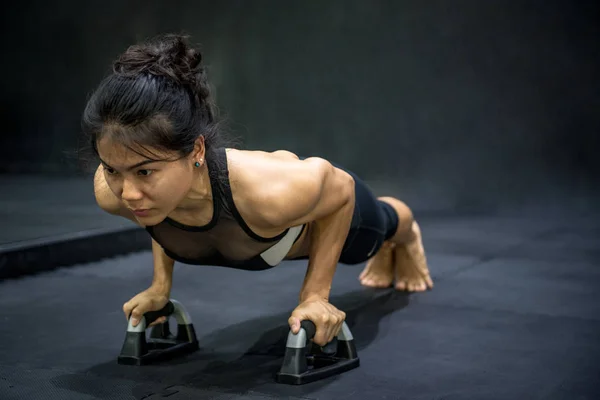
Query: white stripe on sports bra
pixel 276 253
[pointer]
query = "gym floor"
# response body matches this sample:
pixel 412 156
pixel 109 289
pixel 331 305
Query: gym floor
pixel 514 315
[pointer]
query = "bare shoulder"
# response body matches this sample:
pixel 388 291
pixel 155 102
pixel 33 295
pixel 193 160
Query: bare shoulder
pixel 279 189
pixel 260 173
pixel 106 199
pixel 285 155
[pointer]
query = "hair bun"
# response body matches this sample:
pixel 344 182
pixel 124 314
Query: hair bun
pixel 169 56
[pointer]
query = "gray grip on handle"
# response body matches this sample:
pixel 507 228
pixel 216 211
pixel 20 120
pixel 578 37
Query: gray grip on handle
pixel 308 331
pixel 176 308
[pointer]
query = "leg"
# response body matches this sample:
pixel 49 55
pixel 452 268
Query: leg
pixel 401 257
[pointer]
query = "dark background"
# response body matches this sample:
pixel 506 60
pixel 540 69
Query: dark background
pixel 458 103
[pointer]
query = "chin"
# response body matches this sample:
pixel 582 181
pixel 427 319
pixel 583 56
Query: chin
pixel 153 219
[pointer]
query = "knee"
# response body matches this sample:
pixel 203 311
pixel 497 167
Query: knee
pixel 405 217
pixel 405 214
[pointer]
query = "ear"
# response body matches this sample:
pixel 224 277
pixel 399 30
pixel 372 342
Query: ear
pixel 199 149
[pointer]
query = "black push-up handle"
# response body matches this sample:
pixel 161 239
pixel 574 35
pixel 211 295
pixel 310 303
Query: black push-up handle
pixel 306 362
pixel 303 362
pixel 137 350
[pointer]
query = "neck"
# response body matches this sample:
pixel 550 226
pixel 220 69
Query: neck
pixel 200 191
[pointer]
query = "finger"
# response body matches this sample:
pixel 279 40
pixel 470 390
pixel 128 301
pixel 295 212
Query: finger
pixel 331 321
pixel 327 322
pixel 340 317
pixel 294 324
pixel 330 330
pixel 330 337
pixel 334 331
pixel 136 316
pixel 127 307
pixel 321 337
pixel 158 321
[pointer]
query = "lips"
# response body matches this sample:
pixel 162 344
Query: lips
pixel 141 212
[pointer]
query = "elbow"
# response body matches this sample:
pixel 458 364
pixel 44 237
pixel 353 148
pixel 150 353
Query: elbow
pixel 349 192
pixel 338 180
pixel 341 184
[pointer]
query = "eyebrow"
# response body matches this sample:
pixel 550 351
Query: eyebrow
pixel 133 166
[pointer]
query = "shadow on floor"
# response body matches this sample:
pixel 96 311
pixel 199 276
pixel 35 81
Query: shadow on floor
pixel 225 363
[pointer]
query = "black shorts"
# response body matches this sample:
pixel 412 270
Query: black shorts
pixel 373 222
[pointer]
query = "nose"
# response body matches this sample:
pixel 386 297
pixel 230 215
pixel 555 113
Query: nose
pixel 130 192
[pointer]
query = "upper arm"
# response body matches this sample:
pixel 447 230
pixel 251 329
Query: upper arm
pixel 303 191
pixel 106 199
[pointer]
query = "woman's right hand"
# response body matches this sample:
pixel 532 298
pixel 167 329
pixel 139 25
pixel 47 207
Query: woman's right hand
pixel 150 299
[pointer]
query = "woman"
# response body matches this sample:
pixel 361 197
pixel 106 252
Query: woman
pixel 165 166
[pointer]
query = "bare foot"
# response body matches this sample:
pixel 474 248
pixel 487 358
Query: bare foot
pixel 410 265
pixel 379 271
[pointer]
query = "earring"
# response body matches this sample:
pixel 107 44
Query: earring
pixel 197 164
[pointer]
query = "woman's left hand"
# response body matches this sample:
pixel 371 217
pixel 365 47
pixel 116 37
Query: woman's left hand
pixel 327 319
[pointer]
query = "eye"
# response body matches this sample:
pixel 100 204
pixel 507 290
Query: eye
pixel 145 172
pixel 110 171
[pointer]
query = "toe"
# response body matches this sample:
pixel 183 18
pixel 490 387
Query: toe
pixel 369 282
pixel 383 284
pixel 429 282
pixel 363 273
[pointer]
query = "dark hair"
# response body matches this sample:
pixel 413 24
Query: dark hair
pixel 157 96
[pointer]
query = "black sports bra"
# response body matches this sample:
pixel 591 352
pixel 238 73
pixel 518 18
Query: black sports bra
pixel 226 240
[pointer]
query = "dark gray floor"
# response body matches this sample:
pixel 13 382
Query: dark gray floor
pixel 514 315
pixel 39 207
pixel 47 222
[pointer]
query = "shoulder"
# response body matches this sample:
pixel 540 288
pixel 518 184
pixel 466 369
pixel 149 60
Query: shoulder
pixel 106 199
pixel 278 189
pixel 268 176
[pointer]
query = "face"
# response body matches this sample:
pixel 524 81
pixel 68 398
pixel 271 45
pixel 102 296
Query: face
pixel 150 189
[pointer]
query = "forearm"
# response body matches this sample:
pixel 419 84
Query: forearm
pixel 327 239
pixel 163 270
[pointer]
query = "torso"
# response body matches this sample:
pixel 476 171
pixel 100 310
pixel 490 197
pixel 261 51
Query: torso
pixel 238 161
